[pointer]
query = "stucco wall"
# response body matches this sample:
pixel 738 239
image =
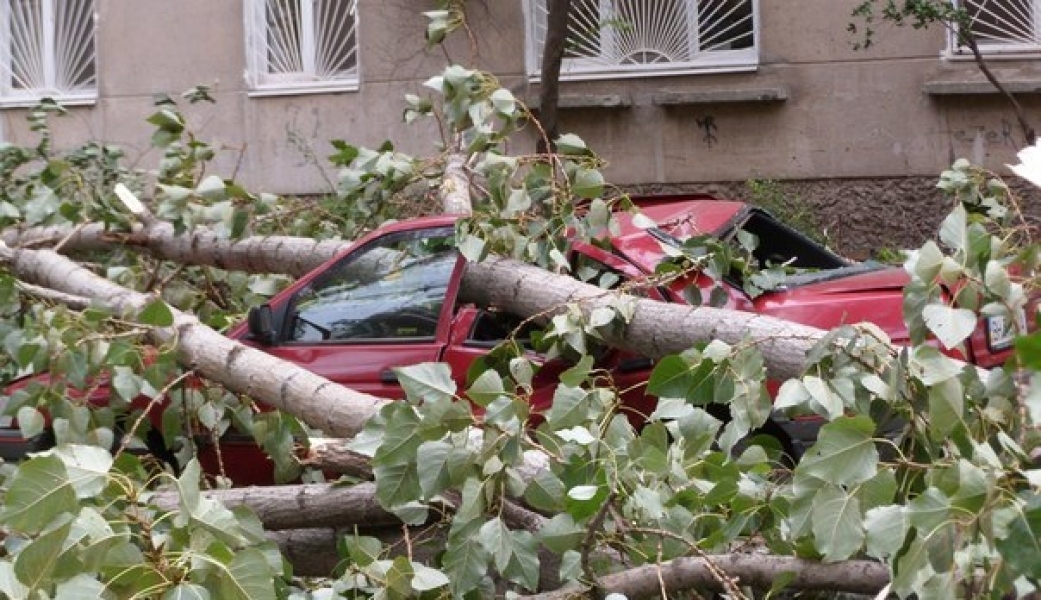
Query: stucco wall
pixel 875 126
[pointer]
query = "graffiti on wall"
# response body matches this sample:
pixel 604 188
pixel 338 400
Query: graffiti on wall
pixel 999 135
pixel 976 142
pixel 708 126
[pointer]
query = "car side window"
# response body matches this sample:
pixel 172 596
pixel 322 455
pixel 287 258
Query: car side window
pixel 392 289
pixel 493 326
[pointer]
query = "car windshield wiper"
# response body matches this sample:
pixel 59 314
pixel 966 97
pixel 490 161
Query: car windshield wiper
pixel 665 238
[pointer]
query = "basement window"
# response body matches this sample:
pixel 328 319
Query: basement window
pixel 47 49
pixel 637 38
pixel 301 46
pixel 1001 27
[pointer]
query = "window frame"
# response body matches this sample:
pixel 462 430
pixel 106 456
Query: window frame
pixel 259 78
pixel 14 97
pixel 285 335
pixel 583 69
pixel 1006 49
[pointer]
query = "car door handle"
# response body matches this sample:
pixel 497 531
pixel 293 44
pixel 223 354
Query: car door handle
pixel 631 365
pixel 388 376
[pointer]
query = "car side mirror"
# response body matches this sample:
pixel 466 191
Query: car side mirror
pixel 262 325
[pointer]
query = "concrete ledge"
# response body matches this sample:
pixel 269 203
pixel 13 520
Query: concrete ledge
pixel 965 79
pixel 577 101
pixel 721 95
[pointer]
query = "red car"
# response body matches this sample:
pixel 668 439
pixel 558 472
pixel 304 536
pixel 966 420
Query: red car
pixel 392 300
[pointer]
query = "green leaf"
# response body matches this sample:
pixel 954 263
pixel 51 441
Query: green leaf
pixel 837 526
pixel 486 388
pixel 1021 547
pixel 576 375
pixel 156 313
pixel 523 568
pixel 951 326
pixel 82 587
pixel 886 528
pixel 954 229
pixel 248 577
pixel 503 101
pixel 844 454
pixel 397 484
pixel 427 381
pixel 212 188
pixel 670 378
pixel 426 578
pixel 87 466
pixel 494 535
pixel 35 564
pixel 928 510
pixel 362 550
pixel 545 492
pixel 472 248
pixel 440 465
pixel 561 533
pixel 187 591
pixel 126 383
pixel 932 366
pixel 39 491
pixel 30 421
pixel 9 584
pixel 464 561
pixel 946 408
pixel 570 143
pixel 588 183
pixel 570 407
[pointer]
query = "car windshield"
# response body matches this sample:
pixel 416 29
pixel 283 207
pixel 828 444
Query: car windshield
pixel 394 288
pixel 781 257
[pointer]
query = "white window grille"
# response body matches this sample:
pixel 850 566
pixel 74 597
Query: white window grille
pixel 296 46
pixel 1002 26
pixel 47 49
pixel 617 38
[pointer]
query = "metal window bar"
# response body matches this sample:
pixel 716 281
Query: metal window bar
pixel 294 43
pixel 49 50
pixel 1002 26
pixel 639 37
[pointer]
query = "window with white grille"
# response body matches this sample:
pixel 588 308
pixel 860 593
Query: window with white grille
pixel 47 49
pixel 1002 26
pixel 302 45
pixel 612 38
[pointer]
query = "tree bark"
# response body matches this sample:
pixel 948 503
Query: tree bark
pixel 549 81
pixel 756 570
pixel 657 329
pixel 314 552
pixel 301 506
pixel 330 407
pixel 261 254
pixel 455 184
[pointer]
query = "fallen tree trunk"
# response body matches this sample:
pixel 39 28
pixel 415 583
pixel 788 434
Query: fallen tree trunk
pixel 657 329
pixel 301 506
pixel 260 254
pixel 755 570
pixel 328 406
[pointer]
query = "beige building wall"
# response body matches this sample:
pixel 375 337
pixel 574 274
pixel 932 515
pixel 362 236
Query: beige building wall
pixel 815 109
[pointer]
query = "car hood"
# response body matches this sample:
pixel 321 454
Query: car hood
pixel 827 299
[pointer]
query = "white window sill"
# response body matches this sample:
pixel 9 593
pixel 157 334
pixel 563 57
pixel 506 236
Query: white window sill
pixel 994 54
pixel 29 102
pixel 326 87
pixel 639 71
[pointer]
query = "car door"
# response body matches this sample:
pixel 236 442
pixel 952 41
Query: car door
pixel 386 304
